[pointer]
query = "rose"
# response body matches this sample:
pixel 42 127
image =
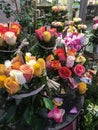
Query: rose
pixel 71 51
pixel 37 69
pixel 46 36
pixel 16 65
pixel 70 61
pixel 61 56
pixel 11 85
pixel 60 53
pixel 39 32
pixel 10 38
pixel 18 76
pixel 55 64
pixel 64 72
pixel 2 79
pixel 82 87
pixel 59 50
pixel 50 57
pixel 56 114
pixel 80 59
pixel 16 26
pixel 2 69
pixel 27 71
pixel 79 69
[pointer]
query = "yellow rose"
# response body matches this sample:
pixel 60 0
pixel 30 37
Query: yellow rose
pixel 46 36
pixel 2 79
pixel 81 59
pixel 82 87
pixel 42 63
pixel 37 69
pixel 2 69
pixel 11 85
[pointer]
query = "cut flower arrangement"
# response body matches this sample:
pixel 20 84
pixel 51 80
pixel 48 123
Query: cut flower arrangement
pixel 34 89
pixel 9 33
pixel 9 39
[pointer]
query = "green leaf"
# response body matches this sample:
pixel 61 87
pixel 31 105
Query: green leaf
pixel 11 113
pixel 48 103
pixel 26 86
pixel 28 114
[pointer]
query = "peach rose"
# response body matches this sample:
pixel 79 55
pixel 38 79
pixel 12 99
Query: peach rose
pixel 27 71
pixel 10 38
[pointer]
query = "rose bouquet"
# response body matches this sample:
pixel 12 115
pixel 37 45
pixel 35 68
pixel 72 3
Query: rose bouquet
pixel 9 33
pixel 9 39
pixel 46 36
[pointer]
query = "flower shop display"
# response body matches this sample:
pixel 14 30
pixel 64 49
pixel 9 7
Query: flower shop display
pixel 58 17
pixel 43 88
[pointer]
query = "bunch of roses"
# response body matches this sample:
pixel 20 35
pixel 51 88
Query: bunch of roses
pixel 67 66
pixel 9 33
pixel 45 34
pixel 16 72
pixel 75 25
pixel 74 40
pixel 57 24
pixel 58 9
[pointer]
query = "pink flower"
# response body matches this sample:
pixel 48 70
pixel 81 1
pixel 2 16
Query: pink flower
pixel 70 61
pixel 95 26
pixel 56 114
pixel 79 69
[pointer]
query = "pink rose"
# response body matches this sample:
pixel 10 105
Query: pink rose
pixel 56 114
pixel 79 69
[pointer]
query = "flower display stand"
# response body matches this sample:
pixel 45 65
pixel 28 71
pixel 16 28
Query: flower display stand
pixel 70 121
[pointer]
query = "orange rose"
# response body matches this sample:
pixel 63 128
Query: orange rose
pixel 50 57
pixel 2 79
pixel 71 52
pixel 16 26
pixel 55 64
pixel 11 86
pixel 17 59
pixel 16 65
pixel 27 71
pixel 82 87
pixel 2 69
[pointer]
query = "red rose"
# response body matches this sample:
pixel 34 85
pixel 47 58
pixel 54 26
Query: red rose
pixel 64 72
pixel 61 56
pixel 55 64
pixel 79 69
pixel 59 50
